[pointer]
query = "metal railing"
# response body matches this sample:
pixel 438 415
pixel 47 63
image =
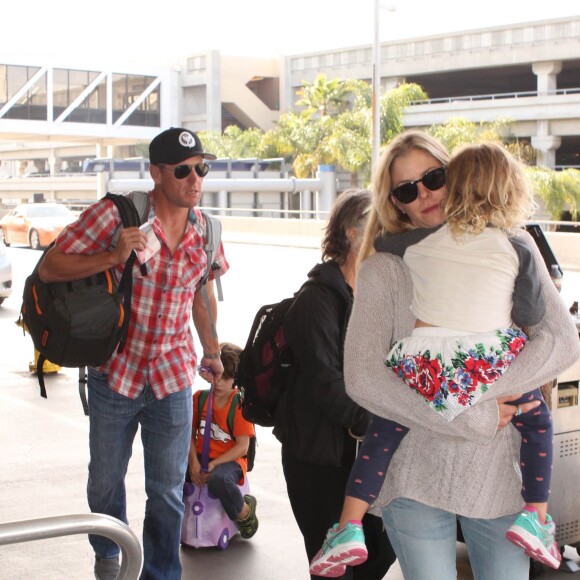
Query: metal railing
pixel 68 525
pixel 555 225
pixel 496 96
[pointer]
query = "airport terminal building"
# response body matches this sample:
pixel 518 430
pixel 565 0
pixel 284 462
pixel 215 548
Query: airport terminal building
pixel 53 118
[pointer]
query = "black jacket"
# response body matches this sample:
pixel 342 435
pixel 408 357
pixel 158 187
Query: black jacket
pixel 313 420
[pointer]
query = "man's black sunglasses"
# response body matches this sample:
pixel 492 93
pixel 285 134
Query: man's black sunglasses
pixel 432 180
pixel 183 171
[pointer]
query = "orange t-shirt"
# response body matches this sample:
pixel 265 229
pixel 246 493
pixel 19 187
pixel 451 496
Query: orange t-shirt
pixel 221 440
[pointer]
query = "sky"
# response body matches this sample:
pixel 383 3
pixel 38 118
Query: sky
pixel 153 33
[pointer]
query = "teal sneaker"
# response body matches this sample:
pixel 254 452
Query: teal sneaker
pixel 342 548
pixel 537 539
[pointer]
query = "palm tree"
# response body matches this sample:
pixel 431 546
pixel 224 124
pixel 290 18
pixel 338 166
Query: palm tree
pixel 324 97
pixel 393 105
pixel 234 142
pixel 559 190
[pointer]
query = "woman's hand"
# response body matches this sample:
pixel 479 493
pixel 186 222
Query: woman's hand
pixel 507 410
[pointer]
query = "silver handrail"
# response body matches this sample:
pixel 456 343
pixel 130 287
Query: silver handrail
pixel 68 525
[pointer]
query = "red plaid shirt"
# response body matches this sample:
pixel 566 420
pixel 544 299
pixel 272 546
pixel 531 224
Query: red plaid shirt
pixel 159 348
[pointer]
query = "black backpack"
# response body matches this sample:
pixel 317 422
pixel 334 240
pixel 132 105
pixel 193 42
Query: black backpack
pixel 237 400
pixel 81 323
pixel 266 366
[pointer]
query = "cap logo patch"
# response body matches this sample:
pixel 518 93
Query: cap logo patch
pixel 186 139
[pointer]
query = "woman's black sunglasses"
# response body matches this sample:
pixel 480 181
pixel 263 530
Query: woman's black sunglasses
pixel 432 180
pixel 183 171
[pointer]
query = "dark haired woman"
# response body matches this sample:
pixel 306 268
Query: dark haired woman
pixel 318 423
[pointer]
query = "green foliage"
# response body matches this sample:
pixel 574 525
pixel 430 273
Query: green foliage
pixel 455 133
pixel 233 143
pixel 323 97
pixel 142 150
pixel 334 128
pixel 350 143
pixel 393 105
pixel 559 190
pixel 460 131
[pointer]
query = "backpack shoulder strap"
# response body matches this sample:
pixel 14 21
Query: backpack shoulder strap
pixel 127 209
pixel 133 209
pixel 201 404
pixel 130 218
pixel 231 414
pixel 213 232
pixel 141 201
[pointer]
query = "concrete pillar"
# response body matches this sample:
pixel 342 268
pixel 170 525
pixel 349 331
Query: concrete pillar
pixel 222 201
pixel 545 146
pixel 327 193
pixel 389 83
pixel 547 73
pixel 306 205
pixel 52 165
pixel 213 71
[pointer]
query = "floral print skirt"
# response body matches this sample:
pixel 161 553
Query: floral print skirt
pixel 452 369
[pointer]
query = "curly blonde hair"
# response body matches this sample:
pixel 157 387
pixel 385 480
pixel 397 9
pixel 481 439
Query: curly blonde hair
pixel 486 185
pixel 385 216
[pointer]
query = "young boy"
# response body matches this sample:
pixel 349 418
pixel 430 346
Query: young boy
pixel 227 452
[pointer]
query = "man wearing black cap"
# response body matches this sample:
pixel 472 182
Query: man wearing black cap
pixel 149 383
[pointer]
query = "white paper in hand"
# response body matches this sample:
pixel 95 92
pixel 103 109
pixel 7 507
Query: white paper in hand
pixel 153 244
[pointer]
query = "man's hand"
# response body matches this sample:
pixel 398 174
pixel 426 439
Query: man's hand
pixel 211 369
pixel 129 239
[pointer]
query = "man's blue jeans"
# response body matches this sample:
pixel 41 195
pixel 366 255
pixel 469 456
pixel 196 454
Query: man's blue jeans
pixel 165 433
pixel 424 539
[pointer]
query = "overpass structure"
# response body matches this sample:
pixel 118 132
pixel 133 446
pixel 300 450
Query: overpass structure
pixel 528 73
pixel 54 117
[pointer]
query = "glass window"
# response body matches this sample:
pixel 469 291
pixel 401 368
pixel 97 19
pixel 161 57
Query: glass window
pixel 31 104
pixel 127 90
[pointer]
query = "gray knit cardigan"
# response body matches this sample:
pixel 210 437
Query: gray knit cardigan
pixel 464 466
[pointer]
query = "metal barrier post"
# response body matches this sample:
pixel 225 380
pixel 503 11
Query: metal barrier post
pixel 99 524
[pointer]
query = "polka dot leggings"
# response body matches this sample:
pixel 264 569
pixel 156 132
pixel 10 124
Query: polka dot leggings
pixel 383 437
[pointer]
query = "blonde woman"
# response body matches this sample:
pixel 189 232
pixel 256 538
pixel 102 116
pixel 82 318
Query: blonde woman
pixel 465 274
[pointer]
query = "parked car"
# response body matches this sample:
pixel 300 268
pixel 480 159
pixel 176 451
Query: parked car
pixel 34 224
pixel 5 274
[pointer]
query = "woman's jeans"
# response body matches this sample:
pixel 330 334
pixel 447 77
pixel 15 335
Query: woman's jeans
pixel 424 539
pixel 165 433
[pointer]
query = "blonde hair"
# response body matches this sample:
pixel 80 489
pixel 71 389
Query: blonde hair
pixel 385 216
pixel 486 185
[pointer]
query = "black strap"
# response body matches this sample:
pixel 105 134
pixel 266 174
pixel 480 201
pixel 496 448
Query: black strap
pixel 127 210
pixel 130 218
pixel 83 389
pixel 40 374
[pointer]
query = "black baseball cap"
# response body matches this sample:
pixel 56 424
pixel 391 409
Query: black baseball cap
pixel 174 145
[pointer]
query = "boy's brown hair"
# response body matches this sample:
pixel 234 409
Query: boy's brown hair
pixel 230 357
